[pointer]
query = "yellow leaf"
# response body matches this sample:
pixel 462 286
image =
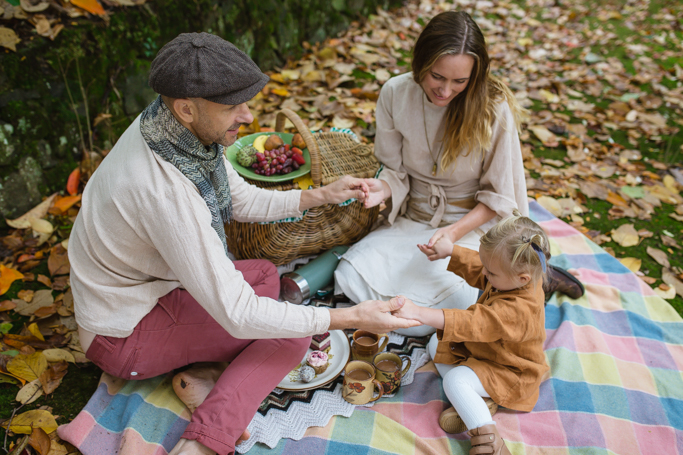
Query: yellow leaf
pixel 290 75
pixel 33 328
pixel 670 183
pixel 41 226
pixel 57 448
pixel 28 367
pixel 9 38
pixel 38 418
pixel 38 211
pixel 280 91
pixel 327 53
pixel 6 378
pixel 57 355
pixel 304 182
pixel 626 235
pixel 313 76
pixel 632 264
pixel 7 277
pixel 667 294
pixel 544 135
pixel 30 392
pixel 550 205
pixel 548 96
pixel 26 295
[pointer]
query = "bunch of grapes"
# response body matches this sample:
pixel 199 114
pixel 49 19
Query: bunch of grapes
pixel 281 160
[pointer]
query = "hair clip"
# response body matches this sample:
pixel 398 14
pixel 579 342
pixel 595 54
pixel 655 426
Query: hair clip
pixel 541 255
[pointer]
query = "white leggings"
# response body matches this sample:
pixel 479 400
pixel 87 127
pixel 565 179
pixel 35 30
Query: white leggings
pixel 464 390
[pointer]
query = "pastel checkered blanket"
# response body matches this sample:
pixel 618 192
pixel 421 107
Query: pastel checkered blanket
pixel 615 385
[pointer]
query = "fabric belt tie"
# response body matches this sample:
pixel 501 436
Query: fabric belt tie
pixel 436 200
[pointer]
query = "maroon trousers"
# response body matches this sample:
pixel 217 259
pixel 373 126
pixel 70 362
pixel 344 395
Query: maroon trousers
pixel 179 332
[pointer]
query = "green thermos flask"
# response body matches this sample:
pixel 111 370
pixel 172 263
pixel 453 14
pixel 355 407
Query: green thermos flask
pixel 297 286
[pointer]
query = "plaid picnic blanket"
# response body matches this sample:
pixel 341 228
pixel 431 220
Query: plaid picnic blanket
pixel 615 385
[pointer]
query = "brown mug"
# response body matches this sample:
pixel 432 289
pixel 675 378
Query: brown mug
pixel 389 373
pixel 366 345
pixel 360 383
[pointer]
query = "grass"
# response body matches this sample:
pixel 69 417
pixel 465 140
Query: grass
pixel 667 150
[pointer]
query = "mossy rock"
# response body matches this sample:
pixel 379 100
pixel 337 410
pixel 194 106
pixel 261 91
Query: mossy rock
pixel 110 63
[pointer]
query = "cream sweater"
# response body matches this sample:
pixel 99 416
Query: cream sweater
pixel 144 230
pixel 495 179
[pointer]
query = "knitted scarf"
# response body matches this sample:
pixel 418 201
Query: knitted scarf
pixel 203 165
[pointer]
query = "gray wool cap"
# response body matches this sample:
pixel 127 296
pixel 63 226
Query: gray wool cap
pixel 202 65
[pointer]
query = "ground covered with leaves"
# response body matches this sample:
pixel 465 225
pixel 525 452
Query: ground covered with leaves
pixel 602 150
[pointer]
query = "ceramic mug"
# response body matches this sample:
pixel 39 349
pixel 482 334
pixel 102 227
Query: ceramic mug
pixel 360 383
pixel 366 344
pixel 389 373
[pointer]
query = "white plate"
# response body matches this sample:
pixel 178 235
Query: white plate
pixel 339 350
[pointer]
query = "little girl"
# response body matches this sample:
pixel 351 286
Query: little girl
pixel 491 353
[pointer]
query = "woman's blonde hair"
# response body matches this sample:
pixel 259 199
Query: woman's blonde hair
pixel 519 242
pixel 471 114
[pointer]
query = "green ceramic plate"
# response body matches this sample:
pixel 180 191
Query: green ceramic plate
pixel 247 172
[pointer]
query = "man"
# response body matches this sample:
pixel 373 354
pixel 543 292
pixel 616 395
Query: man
pixel 154 288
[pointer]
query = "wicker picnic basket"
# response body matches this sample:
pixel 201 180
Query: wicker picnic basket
pixel 333 155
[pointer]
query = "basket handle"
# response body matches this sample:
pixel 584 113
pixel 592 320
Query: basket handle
pixel 311 144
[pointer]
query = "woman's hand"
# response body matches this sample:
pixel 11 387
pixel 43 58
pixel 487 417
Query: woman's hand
pixel 441 249
pixel 449 232
pixel 378 191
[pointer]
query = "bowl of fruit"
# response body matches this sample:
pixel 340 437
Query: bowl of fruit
pixel 270 157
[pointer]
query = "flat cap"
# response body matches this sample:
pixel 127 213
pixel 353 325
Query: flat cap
pixel 202 65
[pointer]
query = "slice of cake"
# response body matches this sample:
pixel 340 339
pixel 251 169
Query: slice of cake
pixel 320 342
pixel 318 360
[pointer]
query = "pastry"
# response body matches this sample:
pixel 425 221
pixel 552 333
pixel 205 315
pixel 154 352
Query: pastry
pixel 306 373
pixel 318 360
pixel 320 342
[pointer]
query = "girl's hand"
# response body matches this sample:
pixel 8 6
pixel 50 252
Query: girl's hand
pixel 442 248
pixel 408 311
pixel 378 191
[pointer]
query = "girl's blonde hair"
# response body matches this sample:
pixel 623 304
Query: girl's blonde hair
pixel 471 114
pixel 519 242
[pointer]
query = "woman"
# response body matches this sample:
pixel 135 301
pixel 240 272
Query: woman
pixel 447 134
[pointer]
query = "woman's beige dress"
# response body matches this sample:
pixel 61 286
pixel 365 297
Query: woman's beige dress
pixel 387 262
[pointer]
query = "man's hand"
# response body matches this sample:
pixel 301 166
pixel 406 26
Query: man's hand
pixel 337 192
pixel 372 315
pixel 442 248
pixel 407 310
pixel 379 191
pixel 346 188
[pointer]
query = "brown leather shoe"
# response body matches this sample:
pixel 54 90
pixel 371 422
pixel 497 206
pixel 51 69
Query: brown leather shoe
pixel 562 281
pixel 450 420
pixel 486 440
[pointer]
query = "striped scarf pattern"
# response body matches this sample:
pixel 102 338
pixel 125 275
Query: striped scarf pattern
pixel 203 165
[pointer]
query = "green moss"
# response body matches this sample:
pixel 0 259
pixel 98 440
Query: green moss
pixel 108 56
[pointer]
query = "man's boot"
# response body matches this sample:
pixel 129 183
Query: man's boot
pixel 562 281
pixel 486 440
